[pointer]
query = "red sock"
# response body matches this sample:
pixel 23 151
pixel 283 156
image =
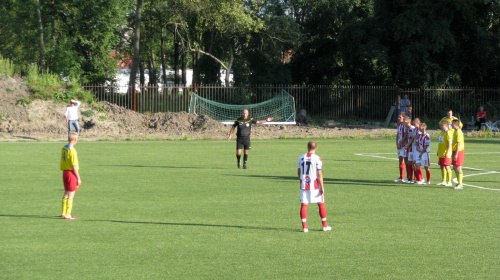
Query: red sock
pixel 428 173
pixel 402 170
pixel 409 172
pixel 303 215
pixel 417 175
pixel 420 174
pixel 322 214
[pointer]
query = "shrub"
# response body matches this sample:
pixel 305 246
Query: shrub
pixel 88 113
pixel 7 68
pixel 23 101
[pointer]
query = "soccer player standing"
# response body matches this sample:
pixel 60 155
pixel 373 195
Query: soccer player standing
pixel 458 154
pixel 244 125
pixel 444 153
pixel 423 158
pixel 400 142
pixel 411 149
pixel 312 189
pixel 71 175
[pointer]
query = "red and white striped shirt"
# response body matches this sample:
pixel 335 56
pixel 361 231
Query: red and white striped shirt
pixel 401 132
pixel 309 165
pixel 424 141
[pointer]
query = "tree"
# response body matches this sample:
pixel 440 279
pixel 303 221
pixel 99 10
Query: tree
pixel 438 42
pixel 137 39
pixel 226 23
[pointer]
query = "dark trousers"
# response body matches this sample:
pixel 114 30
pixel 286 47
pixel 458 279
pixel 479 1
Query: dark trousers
pixel 479 123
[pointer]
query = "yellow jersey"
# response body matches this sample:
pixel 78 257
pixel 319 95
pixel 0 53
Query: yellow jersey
pixel 445 138
pixel 458 137
pixel 69 158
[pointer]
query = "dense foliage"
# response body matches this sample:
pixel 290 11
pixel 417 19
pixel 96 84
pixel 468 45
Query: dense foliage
pixel 363 42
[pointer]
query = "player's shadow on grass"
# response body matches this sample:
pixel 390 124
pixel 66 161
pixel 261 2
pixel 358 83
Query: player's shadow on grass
pixel 195 225
pixel 340 181
pixel 154 223
pixel 377 183
pixel 25 137
pixel 154 166
pixel 32 216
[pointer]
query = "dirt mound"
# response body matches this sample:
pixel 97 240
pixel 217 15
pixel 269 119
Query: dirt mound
pixel 21 118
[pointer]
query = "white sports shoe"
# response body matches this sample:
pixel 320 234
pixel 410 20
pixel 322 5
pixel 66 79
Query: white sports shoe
pixel 420 182
pixel 327 228
pixel 398 180
pixel 449 184
pixel 406 180
pixel 305 230
pixel 458 187
pixel 428 182
pixel 455 180
pixel 441 184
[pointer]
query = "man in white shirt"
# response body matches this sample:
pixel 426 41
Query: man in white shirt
pixel 72 116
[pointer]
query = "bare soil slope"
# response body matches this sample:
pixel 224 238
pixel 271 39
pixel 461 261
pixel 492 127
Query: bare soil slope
pixel 44 120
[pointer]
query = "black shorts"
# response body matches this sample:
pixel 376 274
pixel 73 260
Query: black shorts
pixel 243 142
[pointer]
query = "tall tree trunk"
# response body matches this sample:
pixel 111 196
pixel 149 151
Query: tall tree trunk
pixel 152 63
pixel 162 53
pixel 40 42
pixel 53 21
pixel 196 72
pixel 184 68
pixel 152 70
pixel 176 56
pixel 137 38
pixel 142 77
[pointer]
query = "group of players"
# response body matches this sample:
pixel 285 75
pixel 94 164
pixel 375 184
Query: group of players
pixel 413 147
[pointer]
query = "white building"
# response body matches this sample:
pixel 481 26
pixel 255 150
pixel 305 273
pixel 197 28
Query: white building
pixel 123 77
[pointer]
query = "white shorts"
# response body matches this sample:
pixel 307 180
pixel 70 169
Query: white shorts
pixel 311 196
pixel 416 155
pixel 424 160
pixel 402 152
pixel 411 156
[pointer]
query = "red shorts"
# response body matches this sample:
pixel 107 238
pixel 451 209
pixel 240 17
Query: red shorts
pixel 70 181
pixel 444 161
pixel 460 158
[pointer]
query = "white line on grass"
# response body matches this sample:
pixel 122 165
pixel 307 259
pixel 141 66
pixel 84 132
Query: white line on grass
pixel 376 155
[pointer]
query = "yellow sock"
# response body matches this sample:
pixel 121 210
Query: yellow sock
pixel 443 175
pixel 69 207
pixel 460 177
pixel 64 206
pixel 449 175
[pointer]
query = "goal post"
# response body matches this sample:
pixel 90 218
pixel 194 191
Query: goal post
pixel 281 108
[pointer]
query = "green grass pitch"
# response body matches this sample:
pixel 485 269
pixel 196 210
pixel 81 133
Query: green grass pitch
pixel 182 210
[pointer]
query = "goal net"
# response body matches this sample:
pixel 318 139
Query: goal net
pixel 281 108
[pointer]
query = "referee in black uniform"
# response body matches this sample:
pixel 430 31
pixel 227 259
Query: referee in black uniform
pixel 244 124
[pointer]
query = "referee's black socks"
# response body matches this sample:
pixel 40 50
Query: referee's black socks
pixel 245 157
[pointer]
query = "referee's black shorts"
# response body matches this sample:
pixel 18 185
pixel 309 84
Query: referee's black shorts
pixel 243 143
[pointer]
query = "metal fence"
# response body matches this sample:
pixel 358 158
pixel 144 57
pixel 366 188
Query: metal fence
pixel 351 102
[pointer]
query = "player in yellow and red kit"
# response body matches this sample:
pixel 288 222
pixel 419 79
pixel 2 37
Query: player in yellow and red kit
pixel 458 148
pixel 71 176
pixel 444 153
